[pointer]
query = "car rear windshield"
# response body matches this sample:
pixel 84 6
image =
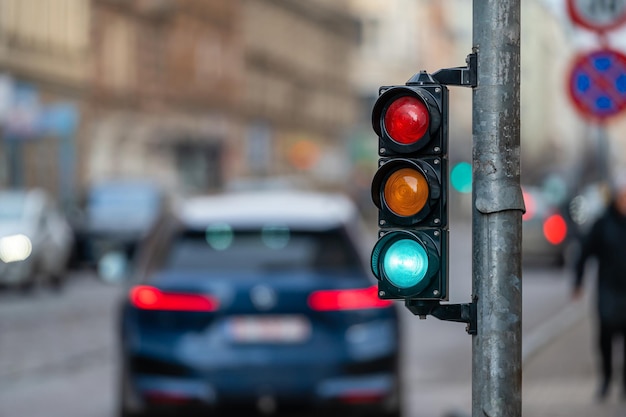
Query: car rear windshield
pixel 271 248
pixel 128 204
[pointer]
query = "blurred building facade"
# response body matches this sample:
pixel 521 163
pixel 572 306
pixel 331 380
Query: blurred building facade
pixel 43 80
pixel 165 90
pixel 198 93
pixel 190 93
pixel 299 99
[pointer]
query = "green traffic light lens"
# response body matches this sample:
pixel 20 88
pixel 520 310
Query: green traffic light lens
pixel 405 263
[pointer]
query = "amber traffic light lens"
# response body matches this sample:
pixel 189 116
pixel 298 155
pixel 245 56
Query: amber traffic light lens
pixel 407 120
pixel 406 192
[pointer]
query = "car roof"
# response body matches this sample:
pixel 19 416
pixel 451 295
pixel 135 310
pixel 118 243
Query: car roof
pixel 130 185
pixel 28 196
pixel 294 209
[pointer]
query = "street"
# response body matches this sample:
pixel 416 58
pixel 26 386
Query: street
pixel 57 352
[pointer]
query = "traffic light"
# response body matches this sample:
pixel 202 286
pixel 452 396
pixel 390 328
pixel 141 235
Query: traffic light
pixel 410 259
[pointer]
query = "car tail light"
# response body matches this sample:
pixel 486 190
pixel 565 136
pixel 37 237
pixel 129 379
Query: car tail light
pixel 349 299
pixel 362 397
pixel 150 298
pixel 555 229
pixel 158 397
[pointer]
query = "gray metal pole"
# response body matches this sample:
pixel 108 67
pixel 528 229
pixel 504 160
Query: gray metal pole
pixel 497 209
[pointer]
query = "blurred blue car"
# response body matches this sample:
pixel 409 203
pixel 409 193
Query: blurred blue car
pixel 116 216
pixel 259 302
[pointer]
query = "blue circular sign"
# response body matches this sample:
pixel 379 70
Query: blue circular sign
pixel 597 83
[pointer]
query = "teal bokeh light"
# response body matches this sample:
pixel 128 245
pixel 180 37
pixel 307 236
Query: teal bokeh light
pixel 461 177
pixel 219 236
pixel 405 263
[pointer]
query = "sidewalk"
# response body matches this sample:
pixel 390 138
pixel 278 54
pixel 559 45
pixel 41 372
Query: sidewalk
pixel 560 376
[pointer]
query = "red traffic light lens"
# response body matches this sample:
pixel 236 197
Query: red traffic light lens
pixel 406 192
pixel 407 120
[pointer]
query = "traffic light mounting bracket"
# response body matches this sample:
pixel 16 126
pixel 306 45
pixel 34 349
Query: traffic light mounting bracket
pixel 462 313
pixel 460 76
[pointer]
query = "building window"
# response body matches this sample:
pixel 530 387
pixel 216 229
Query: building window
pixel 200 166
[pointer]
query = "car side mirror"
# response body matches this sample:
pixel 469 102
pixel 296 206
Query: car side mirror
pixel 113 267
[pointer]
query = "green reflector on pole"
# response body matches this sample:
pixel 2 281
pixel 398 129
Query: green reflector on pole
pixel 405 263
pixel 461 177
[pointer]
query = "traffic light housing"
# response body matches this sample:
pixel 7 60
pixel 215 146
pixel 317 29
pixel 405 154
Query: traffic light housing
pixel 410 189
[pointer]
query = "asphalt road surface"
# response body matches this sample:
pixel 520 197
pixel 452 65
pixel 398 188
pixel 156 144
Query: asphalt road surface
pixel 57 354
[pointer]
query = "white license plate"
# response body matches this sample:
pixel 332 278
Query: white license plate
pixel 268 329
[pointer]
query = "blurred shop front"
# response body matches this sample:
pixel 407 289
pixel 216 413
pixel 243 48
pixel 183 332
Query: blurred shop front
pixel 38 138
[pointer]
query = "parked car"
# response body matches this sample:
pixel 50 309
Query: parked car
pixel 544 229
pixel 116 215
pixel 257 301
pixel 35 240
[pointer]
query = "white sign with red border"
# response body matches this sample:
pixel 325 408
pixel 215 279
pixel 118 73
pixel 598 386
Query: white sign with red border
pixel 597 15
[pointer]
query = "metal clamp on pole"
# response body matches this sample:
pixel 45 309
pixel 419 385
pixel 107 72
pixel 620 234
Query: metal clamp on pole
pixel 461 76
pixel 462 313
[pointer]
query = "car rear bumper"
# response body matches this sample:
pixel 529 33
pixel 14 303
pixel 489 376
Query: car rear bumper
pixel 369 384
pixel 366 392
pixel 356 368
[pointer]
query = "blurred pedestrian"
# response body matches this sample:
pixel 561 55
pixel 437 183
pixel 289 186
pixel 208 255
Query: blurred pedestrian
pixel 606 242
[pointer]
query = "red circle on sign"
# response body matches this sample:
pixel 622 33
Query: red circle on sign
pixel 597 83
pixel 582 18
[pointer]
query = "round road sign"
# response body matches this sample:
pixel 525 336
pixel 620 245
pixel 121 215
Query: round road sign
pixel 597 83
pixel 597 15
